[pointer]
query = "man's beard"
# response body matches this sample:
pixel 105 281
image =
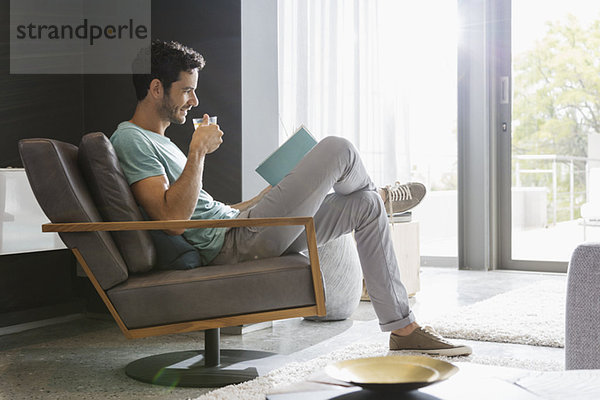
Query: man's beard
pixel 170 111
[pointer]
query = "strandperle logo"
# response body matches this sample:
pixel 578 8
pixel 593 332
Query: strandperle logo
pixel 84 31
pixel 80 36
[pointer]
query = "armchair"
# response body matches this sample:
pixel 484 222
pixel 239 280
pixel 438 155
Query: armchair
pixel 149 302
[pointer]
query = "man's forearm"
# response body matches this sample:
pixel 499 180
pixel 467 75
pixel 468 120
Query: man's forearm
pixel 181 197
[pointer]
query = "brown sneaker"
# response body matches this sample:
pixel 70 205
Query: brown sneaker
pixel 426 340
pixel 401 198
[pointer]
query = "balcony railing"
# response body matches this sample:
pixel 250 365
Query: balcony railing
pixel 576 166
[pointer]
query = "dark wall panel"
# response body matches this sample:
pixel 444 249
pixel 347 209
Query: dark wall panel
pixel 65 107
pixel 212 28
pixel 108 100
pixel 34 105
pixel 35 280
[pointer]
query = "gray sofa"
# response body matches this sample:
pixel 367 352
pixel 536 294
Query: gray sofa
pixel 582 340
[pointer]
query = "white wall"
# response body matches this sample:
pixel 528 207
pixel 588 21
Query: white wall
pixel 260 121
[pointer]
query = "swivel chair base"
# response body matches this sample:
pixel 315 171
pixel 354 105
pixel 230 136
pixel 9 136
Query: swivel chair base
pixel 209 368
pixel 187 368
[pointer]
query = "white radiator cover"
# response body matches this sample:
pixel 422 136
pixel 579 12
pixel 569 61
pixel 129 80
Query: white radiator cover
pixel 21 217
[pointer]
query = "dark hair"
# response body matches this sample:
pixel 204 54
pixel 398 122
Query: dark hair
pixel 167 60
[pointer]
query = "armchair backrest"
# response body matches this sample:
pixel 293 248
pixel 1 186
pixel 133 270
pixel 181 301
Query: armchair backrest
pixel 102 172
pixel 60 189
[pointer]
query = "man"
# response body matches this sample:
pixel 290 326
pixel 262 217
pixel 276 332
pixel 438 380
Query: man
pixel 168 185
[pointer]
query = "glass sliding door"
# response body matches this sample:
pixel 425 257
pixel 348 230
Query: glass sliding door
pixel 549 159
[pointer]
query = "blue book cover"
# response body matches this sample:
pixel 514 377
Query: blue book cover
pixel 287 156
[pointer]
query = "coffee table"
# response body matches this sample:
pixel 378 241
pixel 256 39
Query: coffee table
pixel 473 381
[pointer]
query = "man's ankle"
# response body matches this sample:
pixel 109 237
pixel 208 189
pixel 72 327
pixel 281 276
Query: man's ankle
pixel 407 330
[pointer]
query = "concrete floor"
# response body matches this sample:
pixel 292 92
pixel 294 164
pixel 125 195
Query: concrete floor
pixel 85 358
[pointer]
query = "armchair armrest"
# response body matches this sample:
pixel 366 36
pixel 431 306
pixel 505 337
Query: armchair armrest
pixel 174 224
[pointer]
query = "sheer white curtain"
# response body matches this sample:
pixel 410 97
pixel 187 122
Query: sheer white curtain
pixel 343 72
pixel 381 73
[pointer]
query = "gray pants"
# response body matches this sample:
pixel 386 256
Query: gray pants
pixel 354 205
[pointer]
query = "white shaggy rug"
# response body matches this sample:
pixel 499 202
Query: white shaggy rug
pixel 256 389
pixel 532 315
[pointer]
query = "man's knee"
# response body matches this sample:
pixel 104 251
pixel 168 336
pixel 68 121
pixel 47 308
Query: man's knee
pixel 371 203
pixel 374 200
pixel 336 144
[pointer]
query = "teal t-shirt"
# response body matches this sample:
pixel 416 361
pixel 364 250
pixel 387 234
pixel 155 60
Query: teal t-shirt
pixel 142 154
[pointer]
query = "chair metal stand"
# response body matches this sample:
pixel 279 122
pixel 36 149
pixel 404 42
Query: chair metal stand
pixel 209 368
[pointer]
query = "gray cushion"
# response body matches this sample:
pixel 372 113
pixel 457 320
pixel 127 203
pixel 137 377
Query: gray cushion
pixel 62 193
pixel 110 191
pixel 174 252
pixel 164 297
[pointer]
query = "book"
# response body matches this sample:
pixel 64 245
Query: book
pixel 283 160
pixel 401 217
